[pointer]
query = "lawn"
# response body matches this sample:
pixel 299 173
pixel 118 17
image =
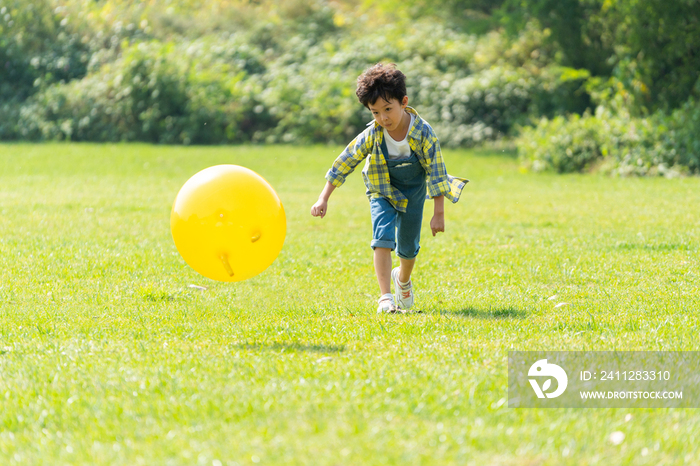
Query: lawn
pixel 109 356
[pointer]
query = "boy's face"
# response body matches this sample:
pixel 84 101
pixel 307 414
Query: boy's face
pixel 389 114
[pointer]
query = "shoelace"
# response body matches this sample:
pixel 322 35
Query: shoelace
pixel 406 290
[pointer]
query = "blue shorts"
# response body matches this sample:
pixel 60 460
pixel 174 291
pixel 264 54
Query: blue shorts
pixel 396 230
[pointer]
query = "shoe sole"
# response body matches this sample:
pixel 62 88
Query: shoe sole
pixel 395 310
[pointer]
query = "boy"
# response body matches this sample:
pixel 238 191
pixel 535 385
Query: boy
pixel 403 163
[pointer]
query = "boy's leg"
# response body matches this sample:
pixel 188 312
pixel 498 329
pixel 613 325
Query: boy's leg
pixel 406 269
pixel 403 287
pixel 382 267
pixel 383 240
pixel 408 244
pixel 408 227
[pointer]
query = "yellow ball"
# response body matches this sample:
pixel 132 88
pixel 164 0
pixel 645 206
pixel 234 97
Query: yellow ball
pixel 228 223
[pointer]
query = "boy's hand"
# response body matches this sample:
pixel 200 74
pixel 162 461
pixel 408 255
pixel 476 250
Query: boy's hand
pixel 437 223
pixel 320 208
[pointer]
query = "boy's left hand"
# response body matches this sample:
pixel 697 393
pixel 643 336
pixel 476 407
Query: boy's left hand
pixel 437 224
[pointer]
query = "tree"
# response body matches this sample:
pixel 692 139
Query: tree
pixel 651 47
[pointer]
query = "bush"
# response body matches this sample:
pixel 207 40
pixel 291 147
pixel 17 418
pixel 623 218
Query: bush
pixel 617 144
pixel 310 87
pixel 39 44
pixel 192 92
pixel 9 115
pixel 287 75
pixel 560 144
pixel 490 103
pixel 684 135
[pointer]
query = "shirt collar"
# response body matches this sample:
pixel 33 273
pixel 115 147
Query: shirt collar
pixel 414 132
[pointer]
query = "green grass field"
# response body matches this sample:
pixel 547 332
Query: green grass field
pixel 108 356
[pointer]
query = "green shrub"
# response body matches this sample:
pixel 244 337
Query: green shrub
pixel 560 144
pixel 9 115
pixel 39 43
pixel 310 87
pixel 685 122
pixel 192 92
pixel 286 75
pixel 488 104
pixel 618 144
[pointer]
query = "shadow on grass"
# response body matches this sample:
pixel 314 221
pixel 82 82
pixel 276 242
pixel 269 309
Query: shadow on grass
pixel 292 347
pixel 504 313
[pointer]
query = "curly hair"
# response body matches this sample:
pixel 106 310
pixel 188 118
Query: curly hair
pixel 383 81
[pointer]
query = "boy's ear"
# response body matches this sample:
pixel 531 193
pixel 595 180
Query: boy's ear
pixel 404 101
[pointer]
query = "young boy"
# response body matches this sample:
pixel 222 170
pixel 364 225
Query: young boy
pixel 403 163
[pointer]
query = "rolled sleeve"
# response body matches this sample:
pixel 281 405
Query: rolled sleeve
pixel 347 161
pixel 439 182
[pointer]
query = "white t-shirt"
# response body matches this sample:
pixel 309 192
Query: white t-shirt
pixel 399 149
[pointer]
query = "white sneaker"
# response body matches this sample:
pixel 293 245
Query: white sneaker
pixel 404 293
pixel 387 306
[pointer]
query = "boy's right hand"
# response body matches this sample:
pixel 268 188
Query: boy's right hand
pixel 320 208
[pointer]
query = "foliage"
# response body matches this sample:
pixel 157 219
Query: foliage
pixel 231 71
pixel 651 47
pixel 488 104
pixel 658 48
pixel 683 141
pixel 644 56
pixel 564 145
pixel 470 88
pixel 38 44
pixel 473 15
pixel 661 144
pixel 191 92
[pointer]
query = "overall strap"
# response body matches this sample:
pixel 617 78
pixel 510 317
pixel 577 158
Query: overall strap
pixel 385 151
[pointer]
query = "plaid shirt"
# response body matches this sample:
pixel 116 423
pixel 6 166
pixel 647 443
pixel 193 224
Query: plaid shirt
pixel 423 142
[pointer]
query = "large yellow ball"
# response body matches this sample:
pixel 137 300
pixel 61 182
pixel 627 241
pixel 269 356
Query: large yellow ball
pixel 228 223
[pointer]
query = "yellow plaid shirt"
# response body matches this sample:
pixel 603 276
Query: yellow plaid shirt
pixel 368 145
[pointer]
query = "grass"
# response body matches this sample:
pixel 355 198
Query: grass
pixel 108 356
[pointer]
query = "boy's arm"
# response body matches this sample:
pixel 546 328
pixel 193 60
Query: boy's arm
pixel 354 153
pixel 438 182
pixel 321 207
pixel 345 164
pixel 437 223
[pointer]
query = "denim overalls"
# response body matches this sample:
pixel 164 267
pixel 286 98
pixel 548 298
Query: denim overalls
pixel 390 226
